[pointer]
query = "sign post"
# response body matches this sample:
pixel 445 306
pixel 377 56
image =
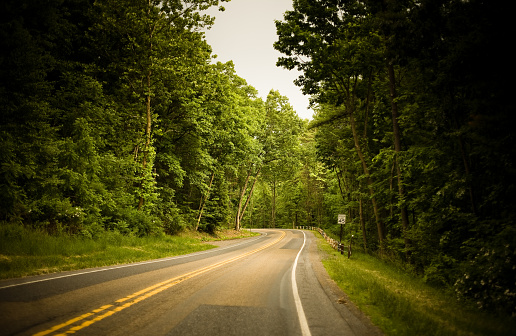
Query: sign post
pixel 341 219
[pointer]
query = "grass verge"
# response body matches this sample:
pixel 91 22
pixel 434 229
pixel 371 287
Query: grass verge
pixel 25 252
pixel 403 305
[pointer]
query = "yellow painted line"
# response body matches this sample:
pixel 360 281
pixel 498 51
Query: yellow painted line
pixel 110 309
pixel 78 318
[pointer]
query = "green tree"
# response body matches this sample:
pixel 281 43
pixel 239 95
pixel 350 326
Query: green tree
pixel 419 80
pixel 50 152
pixel 326 33
pixel 230 140
pixel 157 41
pixel 279 138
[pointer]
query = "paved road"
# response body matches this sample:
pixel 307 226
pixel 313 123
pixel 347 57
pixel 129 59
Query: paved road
pixel 273 284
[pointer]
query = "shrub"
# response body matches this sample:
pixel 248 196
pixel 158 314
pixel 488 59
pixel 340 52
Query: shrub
pixel 489 278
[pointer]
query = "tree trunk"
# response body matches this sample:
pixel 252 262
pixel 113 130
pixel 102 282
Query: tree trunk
pixel 203 201
pixel 242 193
pixel 147 135
pixel 362 223
pixel 379 224
pixel 250 194
pixel 148 114
pixel 340 187
pixel 397 149
pixel 391 188
pixel 273 212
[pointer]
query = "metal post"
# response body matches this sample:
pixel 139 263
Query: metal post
pixel 342 221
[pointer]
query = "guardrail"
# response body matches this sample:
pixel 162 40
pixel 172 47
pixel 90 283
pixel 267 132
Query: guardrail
pixel 333 243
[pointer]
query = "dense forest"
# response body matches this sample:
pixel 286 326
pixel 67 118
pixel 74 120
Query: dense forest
pixel 116 117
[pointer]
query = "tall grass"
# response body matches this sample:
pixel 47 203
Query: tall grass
pixel 400 304
pixel 26 252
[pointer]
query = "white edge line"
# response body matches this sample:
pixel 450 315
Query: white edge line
pixel 131 265
pixel 305 330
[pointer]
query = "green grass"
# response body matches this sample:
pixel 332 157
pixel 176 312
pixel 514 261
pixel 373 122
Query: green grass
pixel 25 252
pixel 401 304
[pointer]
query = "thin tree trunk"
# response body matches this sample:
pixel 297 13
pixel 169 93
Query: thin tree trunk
pixel 340 187
pixel 362 223
pixel 203 201
pixel 250 194
pixel 397 149
pixel 369 84
pixel 148 114
pixel 273 214
pixel 147 134
pixel 379 224
pixel 391 188
pixel 242 193
pixel 350 107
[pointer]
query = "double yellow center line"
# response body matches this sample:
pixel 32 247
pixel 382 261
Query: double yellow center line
pixel 101 313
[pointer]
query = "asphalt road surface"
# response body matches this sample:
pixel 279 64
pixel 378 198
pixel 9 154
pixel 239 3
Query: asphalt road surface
pixel 273 284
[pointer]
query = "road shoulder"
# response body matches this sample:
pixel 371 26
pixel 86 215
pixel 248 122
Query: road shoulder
pixel 357 320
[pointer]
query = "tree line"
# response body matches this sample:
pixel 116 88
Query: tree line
pixel 116 117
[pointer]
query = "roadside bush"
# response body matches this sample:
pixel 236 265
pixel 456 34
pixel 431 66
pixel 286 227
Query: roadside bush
pixel 441 271
pixel 489 278
pixel 173 222
pixel 11 232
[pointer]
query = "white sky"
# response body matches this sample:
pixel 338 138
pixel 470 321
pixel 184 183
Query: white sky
pixel 244 33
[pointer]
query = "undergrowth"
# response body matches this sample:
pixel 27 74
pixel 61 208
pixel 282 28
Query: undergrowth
pixel 25 252
pixel 401 304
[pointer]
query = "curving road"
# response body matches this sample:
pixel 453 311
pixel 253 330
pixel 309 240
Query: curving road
pixel 273 284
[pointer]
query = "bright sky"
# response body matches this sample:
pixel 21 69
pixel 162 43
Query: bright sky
pixel 244 33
